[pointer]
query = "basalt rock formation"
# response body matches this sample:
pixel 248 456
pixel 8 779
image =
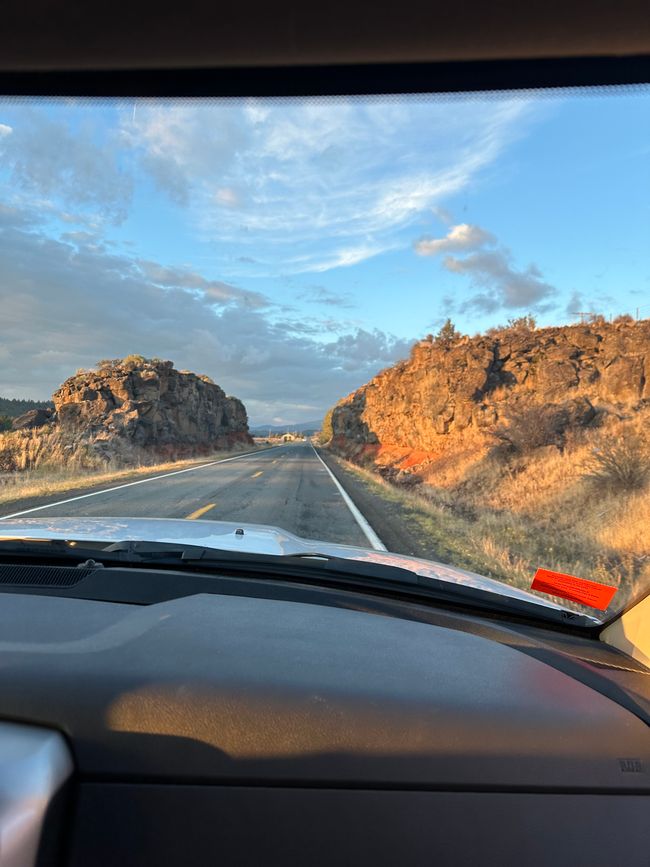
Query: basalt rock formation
pixel 124 412
pixel 151 405
pixel 451 392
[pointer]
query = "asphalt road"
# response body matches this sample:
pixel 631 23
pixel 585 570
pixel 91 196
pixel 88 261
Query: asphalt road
pixel 286 487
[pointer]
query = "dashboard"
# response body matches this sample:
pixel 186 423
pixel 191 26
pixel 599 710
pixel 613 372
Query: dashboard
pixel 272 723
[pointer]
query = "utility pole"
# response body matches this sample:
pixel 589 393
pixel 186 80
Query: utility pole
pixel 582 314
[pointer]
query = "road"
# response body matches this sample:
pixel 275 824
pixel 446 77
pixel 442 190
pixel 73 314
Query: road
pixel 287 486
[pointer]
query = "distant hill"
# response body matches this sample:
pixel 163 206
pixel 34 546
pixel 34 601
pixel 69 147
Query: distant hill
pixel 14 406
pixel 261 430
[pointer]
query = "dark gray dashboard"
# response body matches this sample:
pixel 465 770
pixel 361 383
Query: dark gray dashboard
pixel 279 714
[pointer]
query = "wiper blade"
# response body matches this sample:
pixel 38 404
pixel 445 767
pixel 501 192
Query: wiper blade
pixel 307 567
pixel 138 553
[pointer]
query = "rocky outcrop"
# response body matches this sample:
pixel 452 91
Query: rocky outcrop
pixel 151 405
pixel 127 412
pixel 450 392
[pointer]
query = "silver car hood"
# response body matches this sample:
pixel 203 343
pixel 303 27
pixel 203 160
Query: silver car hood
pixel 256 539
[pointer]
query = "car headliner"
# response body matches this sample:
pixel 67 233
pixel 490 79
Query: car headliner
pixel 143 34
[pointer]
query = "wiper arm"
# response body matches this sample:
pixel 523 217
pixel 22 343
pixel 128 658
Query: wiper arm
pixel 302 563
pixel 138 553
pixel 306 567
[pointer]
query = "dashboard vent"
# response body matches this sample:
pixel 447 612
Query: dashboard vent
pixel 41 576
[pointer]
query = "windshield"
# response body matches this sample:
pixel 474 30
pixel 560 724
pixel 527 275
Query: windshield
pixel 417 324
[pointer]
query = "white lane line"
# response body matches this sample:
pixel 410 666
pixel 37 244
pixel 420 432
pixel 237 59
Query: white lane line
pixel 369 533
pixel 132 484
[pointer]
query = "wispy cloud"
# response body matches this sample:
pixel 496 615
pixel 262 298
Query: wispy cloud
pixel 304 186
pixel 298 186
pixel 322 295
pixel 214 290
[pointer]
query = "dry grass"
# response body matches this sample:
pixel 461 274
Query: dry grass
pixel 47 481
pixel 505 519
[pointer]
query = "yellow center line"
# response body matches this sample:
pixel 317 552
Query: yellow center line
pixel 255 475
pixel 194 515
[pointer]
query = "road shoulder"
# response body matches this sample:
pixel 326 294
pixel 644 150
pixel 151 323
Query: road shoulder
pixel 399 526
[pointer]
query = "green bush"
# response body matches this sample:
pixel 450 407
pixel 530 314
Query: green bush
pixel 447 334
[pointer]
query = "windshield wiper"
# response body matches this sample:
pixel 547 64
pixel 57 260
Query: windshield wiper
pixel 311 568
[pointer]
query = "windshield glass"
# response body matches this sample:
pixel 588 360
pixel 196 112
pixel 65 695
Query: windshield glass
pixel 409 323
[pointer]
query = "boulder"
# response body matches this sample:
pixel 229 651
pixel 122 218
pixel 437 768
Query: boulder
pixel 150 405
pixel 31 419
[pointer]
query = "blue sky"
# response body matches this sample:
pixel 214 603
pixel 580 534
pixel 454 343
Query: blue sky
pixel 292 248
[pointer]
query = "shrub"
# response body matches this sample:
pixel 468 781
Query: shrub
pixel 620 464
pixel 326 431
pixel 447 334
pixel 522 323
pixel 133 360
pixel 530 428
pixel 107 364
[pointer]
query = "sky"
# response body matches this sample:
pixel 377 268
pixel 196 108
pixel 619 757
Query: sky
pixel 290 249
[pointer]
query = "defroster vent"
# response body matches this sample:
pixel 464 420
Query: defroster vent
pixel 41 576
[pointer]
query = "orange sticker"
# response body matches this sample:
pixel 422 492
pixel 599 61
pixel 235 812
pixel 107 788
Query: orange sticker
pixel 576 589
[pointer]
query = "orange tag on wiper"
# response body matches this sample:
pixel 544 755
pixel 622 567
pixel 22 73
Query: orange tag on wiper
pixel 576 589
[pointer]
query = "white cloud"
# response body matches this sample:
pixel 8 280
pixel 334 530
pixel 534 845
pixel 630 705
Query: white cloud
pixel 310 185
pixel 298 186
pixel 214 290
pixel 463 237
pixel 184 146
pixel 67 303
pixel 576 304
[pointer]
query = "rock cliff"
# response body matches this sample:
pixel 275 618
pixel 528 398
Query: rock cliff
pixel 125 412
pixel 453 392
pixel 151 405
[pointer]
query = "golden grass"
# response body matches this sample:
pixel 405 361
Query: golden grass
pixel 505 518
pixel 45 481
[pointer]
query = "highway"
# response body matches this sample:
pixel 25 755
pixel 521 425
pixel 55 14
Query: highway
pixel 287 486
